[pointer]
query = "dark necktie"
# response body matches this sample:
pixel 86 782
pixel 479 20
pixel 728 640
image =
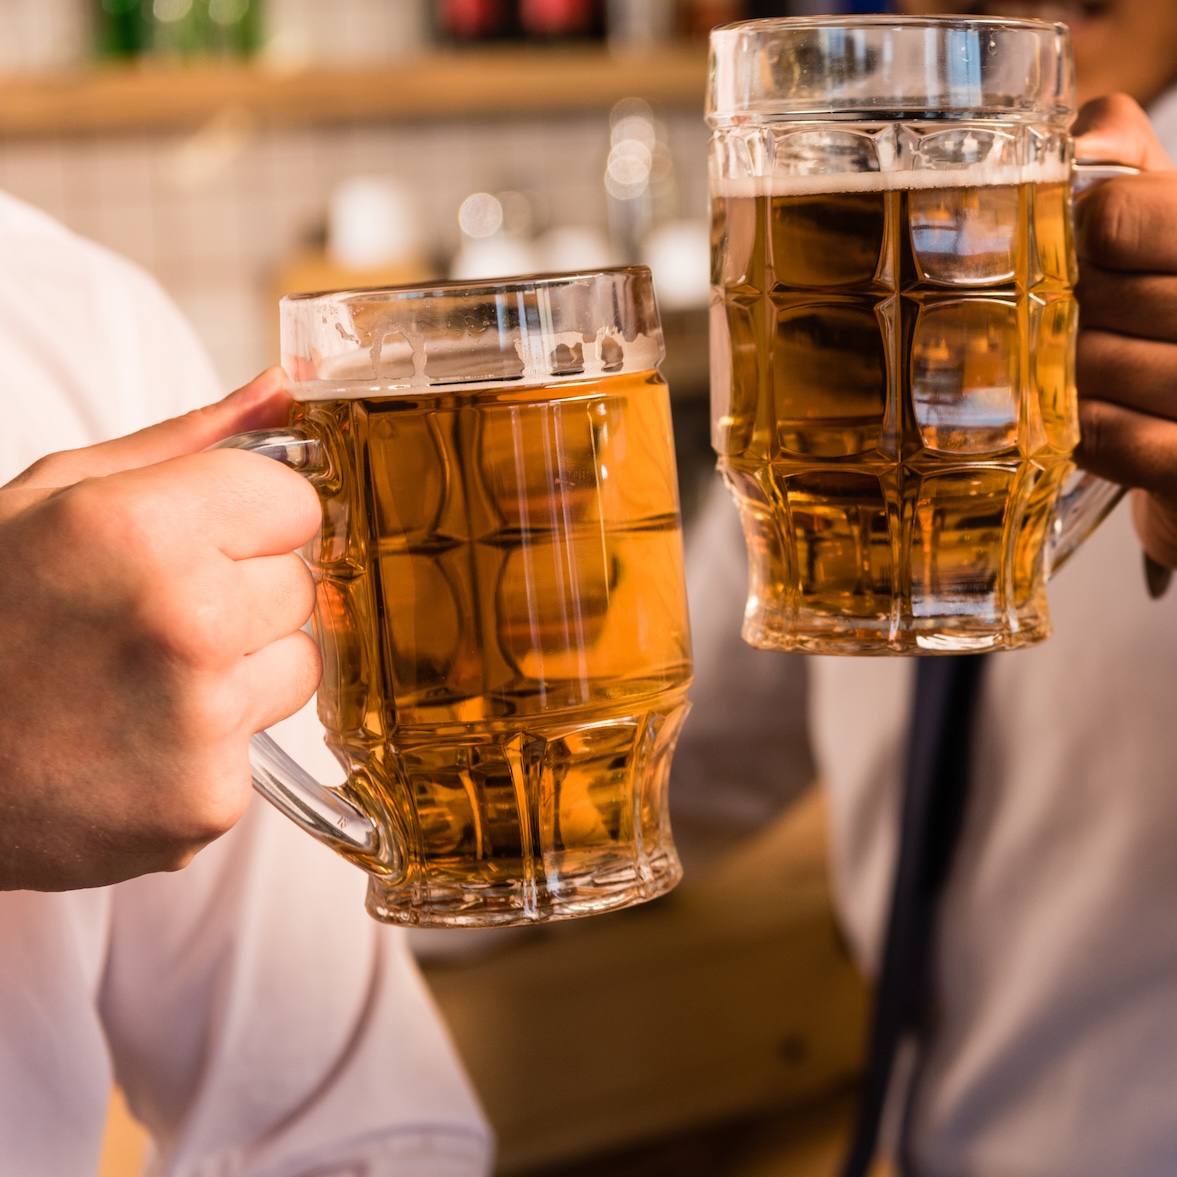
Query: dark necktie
pixel 935 791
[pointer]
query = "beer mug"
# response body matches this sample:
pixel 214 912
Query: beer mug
pixel 893 327
pixel 500 599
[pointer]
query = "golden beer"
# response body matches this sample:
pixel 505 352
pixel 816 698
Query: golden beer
pixel 500 602
pixel 503 621
pixel 894 400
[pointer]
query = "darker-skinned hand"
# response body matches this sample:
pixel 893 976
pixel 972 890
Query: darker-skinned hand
pixel 1127 358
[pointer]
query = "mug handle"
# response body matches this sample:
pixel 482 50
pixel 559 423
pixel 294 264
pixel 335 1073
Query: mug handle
pixel 1089 500
pixel 324 813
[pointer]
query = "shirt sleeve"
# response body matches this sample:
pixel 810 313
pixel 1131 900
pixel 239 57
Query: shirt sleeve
pixel 90 346
pixel 263 1025
pixel 260 1022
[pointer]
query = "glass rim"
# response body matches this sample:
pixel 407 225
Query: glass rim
pixel 894 20
pixel 476 287
pixel 887 68
pixel 513 331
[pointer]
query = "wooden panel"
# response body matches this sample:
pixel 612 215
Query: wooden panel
pixel 806 1140
pixel 486 82
pixel 732 996
pixel 124 1145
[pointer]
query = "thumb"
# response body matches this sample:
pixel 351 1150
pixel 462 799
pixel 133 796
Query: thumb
pixel 264 401
pixel 1116 130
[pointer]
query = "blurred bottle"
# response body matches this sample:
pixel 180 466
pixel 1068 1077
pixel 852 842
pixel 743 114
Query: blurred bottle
pixel 233 27
pixel 366 32
pixel 549 20
pixel 698 17
pixel 185 28
pixel 761 8
pixel 120 28
pixel 531 20
pixel 640 24
pixel 476 20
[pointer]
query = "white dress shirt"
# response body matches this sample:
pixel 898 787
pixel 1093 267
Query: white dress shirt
pixel 260 1022
pixel 1055 1048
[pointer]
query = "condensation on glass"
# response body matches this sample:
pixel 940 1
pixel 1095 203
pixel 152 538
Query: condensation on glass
pixel 893 327
pixel 501 607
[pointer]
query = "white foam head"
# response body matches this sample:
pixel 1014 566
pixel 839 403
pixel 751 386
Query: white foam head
pixel 1052 171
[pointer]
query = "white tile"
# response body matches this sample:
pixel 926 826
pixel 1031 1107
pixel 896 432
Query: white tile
pixel 35 171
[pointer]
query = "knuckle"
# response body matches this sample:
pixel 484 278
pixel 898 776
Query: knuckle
pixel 177 860
pixel 1110 111
pixel 301 591
pixel 205 803
pixel 188 624
pixel 1093 440
pixel 1160 477
pixel 269 492
pixel 209 713
pixel 218 817
pixel 1156 520
pixel 1119 107
pixel 1109 224
pixel 225 802
pixel 101 513
pixel 1091 364
pixel 51 470
pixel 202 824
pixel 309 666
pixel 211 620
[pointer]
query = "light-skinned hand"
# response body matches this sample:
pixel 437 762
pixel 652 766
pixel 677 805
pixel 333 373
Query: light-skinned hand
pixel 150 614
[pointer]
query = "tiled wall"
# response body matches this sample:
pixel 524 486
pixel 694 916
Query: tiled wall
pixel 215 214
pixel 42 34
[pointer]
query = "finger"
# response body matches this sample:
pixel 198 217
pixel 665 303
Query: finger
pixel 1142 305
pixel 279 679
pixel 1126 224
pixel 264 401
pixel 240 503
pixel 277 594
pixel 1139 374
pixel 14 500
pixel 1115 130
pixel 1131 448
pixel 1156 526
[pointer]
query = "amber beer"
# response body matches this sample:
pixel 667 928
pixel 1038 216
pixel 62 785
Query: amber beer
pixel 503 622
pixel 894 400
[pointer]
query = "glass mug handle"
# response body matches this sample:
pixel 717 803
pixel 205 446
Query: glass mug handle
pixel 324 813
pixel 1089 501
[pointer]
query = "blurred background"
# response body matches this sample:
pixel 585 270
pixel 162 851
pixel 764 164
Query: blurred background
pixel 238 149
pixel 241 149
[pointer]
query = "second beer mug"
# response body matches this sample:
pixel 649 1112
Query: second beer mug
pixel 501 607
pixel 893 327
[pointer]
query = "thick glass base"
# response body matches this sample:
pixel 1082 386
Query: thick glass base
pixel 574 885
pixel 503 824
pixel 929 635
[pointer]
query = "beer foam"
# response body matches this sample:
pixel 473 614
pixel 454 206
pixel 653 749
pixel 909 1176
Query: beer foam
pixel 394 367
pixel 834 183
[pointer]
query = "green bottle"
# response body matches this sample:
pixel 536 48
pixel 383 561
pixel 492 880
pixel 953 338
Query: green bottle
pixel 120 28
pixel 197 28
